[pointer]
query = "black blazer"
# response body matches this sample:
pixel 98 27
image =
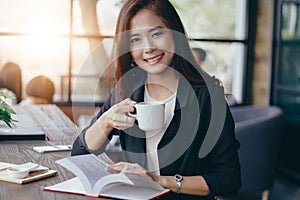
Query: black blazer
pixel 200 139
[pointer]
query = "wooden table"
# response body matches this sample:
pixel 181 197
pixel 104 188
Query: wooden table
pixel 61 130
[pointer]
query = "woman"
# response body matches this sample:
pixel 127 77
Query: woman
pixel 195 153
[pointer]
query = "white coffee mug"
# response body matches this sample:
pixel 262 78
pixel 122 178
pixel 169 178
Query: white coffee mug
pixel 150 116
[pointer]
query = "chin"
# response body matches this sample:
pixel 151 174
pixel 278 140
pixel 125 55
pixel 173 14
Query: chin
pixel 155 69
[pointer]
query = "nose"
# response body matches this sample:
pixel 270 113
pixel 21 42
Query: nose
pixel 149 46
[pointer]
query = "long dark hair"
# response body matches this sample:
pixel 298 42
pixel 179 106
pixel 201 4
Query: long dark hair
pixel 183 60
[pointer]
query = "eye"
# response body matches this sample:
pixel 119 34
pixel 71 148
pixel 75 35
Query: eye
pixel 157 34
pixel 135 39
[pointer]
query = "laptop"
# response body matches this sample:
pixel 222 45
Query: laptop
pixel 25 127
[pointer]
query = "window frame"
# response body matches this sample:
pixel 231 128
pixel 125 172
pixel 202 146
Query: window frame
pixel 248 42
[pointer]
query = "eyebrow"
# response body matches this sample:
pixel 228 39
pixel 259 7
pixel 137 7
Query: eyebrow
pixel 155 28
pixel 150 30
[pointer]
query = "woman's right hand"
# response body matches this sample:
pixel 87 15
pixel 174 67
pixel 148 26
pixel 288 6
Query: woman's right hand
pixel 117 116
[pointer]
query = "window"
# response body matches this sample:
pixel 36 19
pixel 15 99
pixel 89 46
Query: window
pixel 286 81
pixel 219 27
pixel 70 41
pixel 286 87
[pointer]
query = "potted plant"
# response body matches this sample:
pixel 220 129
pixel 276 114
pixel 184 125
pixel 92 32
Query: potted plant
pixel 6 111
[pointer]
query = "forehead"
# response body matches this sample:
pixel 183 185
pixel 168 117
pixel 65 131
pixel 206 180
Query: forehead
pixel 144 19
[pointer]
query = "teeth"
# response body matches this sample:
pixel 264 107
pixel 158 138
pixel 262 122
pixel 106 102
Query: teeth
pixel 153 59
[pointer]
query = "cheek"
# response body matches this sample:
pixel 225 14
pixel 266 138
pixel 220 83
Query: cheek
pixel 170 56
pixel 171 47
pixel 169 43
pixel 171 51
pixel 135 55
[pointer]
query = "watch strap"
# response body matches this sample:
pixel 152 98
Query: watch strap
pixel 178 179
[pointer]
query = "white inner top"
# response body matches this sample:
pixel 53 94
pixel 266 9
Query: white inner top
pixel 154 137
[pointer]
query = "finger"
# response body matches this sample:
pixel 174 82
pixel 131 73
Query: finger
pixel 129 169
pixel 127 101
pixel 122 109
pixel 129 120
pixel 129 104
pixel 115 167
pixel 119 164
pixel 122 122
pixel 126 169
pixel 133 168
pixel 120 117
pixel 110 169
pixel 122 125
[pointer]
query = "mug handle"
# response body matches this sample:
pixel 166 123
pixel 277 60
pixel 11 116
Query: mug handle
pixel 132 114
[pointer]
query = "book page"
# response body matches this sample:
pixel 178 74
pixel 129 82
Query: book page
pixel 104 157
pixel 123 191
pixel 90 170
pixel 141 188
pixel 73 185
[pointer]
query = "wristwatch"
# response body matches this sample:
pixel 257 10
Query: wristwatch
pixel 178 178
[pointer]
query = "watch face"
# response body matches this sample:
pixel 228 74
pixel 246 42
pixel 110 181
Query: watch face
pixel 178 178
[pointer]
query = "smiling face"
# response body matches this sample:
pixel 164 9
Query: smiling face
pixel 151 42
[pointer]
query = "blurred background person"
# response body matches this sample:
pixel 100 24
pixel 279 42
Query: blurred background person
pixel 39 90
pixel 11 82
pixel 199 55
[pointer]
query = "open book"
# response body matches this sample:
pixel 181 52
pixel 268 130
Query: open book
pixel 93 180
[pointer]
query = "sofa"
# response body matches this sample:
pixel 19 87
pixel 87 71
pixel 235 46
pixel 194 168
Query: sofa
pixel 259 131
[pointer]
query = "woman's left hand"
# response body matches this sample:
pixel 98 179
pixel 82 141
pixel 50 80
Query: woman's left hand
pixel 130 168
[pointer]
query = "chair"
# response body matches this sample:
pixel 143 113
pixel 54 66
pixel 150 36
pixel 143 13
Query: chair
pixel 259 130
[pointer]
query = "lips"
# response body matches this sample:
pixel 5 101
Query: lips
pixel 154 59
